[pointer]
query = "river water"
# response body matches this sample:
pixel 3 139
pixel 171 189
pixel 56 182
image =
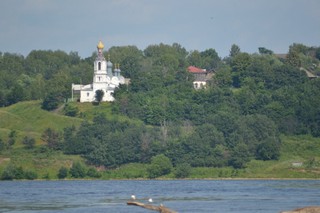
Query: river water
pixel 192 196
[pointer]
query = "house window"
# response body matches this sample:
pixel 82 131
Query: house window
pixel 99 66
pixel 99 78
pixel 88 94
pixel 196 85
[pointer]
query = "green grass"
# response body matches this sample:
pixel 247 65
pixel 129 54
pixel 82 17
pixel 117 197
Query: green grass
pixel 27 118
pixel 44 162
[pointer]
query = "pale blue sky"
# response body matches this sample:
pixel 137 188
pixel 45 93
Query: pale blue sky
pixel 78 25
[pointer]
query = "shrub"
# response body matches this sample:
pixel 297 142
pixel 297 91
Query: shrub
pixel 12 172
pixel 78 170
pixel 268 150
pixel 183 170
pixel 50 102
pixel 63 172
pixel 92 172
pixel 28 142
pixel 70 110
pixel 160 165
pixel 30 175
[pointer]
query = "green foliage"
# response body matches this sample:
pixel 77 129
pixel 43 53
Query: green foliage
pixel 92 172
pixel 50 102
pixel 160 165
pixel 235 50
pixel 251 99
pixel 239 156
pixel 12 172
pixel 293 59
pixel 30 175
pixel 99 96
pixel 263 50
pixel 12 138
pixel 63 172
pixel 52 138
pixel 2 145
pixel 29 142
pixel 183 170
pixel 78 170
pixel 268 150
pixel 71 110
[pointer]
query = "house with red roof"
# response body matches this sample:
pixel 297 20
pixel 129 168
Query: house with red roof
pixel 201 77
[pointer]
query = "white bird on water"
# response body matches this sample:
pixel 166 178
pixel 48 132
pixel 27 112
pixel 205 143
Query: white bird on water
pixel 150 200
pixel 133 197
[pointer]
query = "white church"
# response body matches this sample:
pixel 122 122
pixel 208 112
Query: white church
pixel 105 78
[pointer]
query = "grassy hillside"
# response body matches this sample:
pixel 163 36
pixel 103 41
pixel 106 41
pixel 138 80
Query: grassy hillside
pixel 29 118
pixel 300 155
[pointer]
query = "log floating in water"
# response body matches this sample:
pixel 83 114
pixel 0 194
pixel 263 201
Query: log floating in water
pixel 308 209
pixel 160 209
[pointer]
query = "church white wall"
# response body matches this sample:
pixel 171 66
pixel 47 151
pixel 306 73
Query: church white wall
pixel 86 96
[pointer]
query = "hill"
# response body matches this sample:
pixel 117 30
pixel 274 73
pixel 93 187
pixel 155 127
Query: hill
pixel 299 156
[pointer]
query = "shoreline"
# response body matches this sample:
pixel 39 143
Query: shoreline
pixel 173 179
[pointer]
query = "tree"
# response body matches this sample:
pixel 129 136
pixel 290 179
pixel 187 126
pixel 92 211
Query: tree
pixel 78 170
pixel 239 156
pixel 239 64
pixel 160 165
pixel 92 172
pixel 318 53
pixel 11 172
pixel 235 50
pixel 50 102
pixel 52 138
pixel 29 142
pixel 2 145
pixel 99 96
pixel 71 110
pixel 63 172
pixel 183 170
pixel 265 51
pixel 268 150
pixel 12 138
pixel 293 59
pixel 30 175
pixel 16 94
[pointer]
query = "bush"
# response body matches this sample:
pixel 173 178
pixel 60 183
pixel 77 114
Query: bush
pixel 2 145
pixel 78 170
pixel 70 110
pixel 183 170
pixel 12 172
pixel 63 172
pixel 30 175
pixel 28 142
pixel 50 102
pixel 268 150
pixel 92 172
pixel 160 165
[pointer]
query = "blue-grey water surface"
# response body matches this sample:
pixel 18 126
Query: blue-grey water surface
pixel 204 196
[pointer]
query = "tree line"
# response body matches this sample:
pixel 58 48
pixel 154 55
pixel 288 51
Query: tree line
pixel 249 102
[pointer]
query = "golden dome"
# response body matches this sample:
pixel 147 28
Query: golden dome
pixel 100 45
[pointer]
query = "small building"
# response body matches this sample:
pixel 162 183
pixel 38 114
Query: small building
pixel 201 77
pixel 106 77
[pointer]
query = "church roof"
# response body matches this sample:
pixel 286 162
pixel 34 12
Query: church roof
pixel 193 69
pixel 100 45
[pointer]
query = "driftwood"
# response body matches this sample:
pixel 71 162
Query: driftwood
pixel 160 209
pixel 309 209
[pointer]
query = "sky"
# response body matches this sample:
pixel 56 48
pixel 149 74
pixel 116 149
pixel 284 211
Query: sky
pixel 78 25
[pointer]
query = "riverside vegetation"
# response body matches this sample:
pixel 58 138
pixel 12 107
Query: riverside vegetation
pixel 259 116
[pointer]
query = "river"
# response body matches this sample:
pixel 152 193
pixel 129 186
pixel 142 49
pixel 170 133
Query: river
pixel 185 196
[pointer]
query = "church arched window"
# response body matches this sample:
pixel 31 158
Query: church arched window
pixel 99 66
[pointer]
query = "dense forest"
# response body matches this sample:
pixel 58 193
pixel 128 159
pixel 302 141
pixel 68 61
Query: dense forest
pixel 251 100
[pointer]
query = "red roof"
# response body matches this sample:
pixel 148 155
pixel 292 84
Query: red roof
pixel 194 69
